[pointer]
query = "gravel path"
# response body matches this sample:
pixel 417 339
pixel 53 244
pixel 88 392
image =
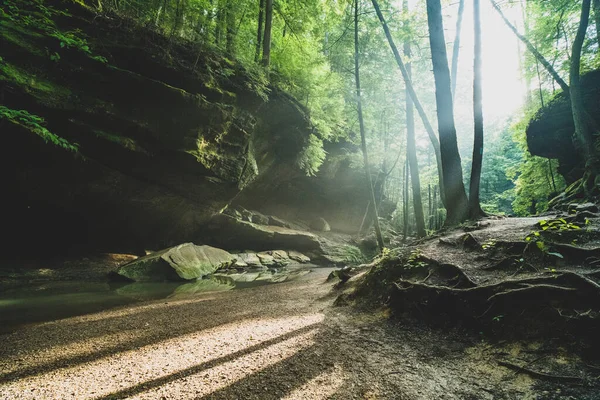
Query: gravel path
pixel 282 341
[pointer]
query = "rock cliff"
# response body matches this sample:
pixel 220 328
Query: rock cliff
pixel 154 137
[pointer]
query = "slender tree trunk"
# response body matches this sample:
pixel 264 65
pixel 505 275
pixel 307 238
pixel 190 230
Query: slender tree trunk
pixel 266 58
pixel 525 75
pixel 456 45
pixel 178 18
pixel 405 200
pixel 436 212
pixel 158 15
pixel 429 223
pixel 552 176
pixel 533 50
pixel 456 197
pixel 413 95
pixel 231 29
pixel 539 78
pixel 474 203
pixel 220 22
pixel 411 147
pixel 583 128
pixel 362 129
pixel 259 30
pixel 597 20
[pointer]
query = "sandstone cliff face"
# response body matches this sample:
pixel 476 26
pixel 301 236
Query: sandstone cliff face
pixel 163 141
pixel 167 135
pixel 550 132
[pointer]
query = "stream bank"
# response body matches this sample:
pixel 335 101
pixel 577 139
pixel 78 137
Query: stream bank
pixel 282 341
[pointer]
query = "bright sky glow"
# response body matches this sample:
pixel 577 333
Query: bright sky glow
pixel 503 90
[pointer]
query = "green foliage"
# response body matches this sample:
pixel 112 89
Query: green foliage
pixel 489 244
pixel 559 224
pixel 35 124
pixel 38 16
pixel 502 154
pixel 536 179
pixel 554 225
pixel 348 254
pixel 415 260
pixel 312 156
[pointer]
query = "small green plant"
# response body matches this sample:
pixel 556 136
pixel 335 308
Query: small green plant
pixel 312 156
pixel 489 244
pixel 559 224
pixel 55 57
pixel 497 318
pixel 34 124
pixel 37 15
pixel 415 259
pixel 555 225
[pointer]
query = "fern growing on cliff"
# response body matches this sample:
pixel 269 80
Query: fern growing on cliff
pixel 312 156
pixel 34 124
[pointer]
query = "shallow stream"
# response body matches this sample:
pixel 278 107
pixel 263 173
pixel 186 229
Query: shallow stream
pixel 40 301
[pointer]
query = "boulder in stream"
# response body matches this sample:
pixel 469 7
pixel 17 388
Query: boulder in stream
pixel 184 262
pixel 299 257
pixel 320 224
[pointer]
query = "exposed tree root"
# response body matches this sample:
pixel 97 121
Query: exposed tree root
pixel 576 252
pixel 557 298
pixel 541 375
pixel 514 264
pixel 426 269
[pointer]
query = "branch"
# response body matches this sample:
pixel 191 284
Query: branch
pixel 534 51
pixel 541 375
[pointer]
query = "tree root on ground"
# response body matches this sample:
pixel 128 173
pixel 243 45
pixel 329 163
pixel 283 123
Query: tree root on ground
pixel 576 252
pixel 514 264
pixel 541 375
pixel 427 269
pixel 557 299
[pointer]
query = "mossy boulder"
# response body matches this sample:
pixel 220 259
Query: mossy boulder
pixel 184 262
pixel 320 224
pixel 550 132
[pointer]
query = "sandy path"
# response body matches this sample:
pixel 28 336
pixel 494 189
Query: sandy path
pixel 282 341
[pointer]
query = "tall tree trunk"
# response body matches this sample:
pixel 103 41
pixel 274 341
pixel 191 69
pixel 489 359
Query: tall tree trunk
pixel 266 58
pixel 178 18
pixel 363 140
pixel 259 30
pixel 539 79
pixel 597 20
pixel 552 176
pixel 525 76
pixel 413 95
pixel 405 200
pixel 158 15
pixel 220 22
pixel 231 28
pixel 436 212
pixel 456 197
pixel 430 209
pixel 456 45
pixel 411 147
pixel 474 204
pixel 583 127
pixel 533 50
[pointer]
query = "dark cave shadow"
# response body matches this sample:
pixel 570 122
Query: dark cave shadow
pixel 155 383
pixel 207 315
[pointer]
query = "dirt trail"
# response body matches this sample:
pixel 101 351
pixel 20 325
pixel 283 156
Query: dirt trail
pixel 283 341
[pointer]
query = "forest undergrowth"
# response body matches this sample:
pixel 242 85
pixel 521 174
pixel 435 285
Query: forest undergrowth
pixel 505 280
